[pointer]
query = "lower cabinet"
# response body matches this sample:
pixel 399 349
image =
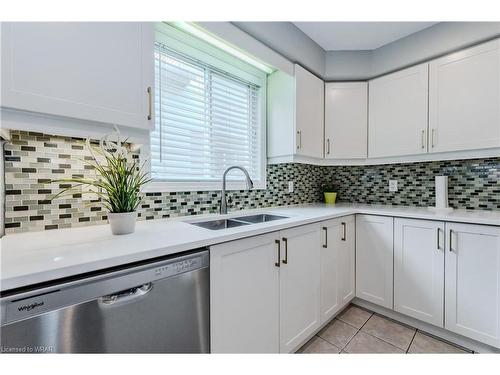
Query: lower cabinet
pixel 299 285
pixel 270 293
pixel 374 259
pixel 337 265
pixel 265 291
pixel 473 281
pixel 244 296
pixel 419 269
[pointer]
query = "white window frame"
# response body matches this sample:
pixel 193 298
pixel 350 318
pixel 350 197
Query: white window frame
pixel 191 46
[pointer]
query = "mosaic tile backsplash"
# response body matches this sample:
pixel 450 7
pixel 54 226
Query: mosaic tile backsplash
pixel 32 160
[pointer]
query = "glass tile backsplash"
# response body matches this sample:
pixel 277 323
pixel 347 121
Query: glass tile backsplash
pixel 32 160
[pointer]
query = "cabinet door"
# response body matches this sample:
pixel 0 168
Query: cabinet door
pixel 309 113
pixel 346 260
pixel 397 122
pixel 419 269
pixel 337 265
pixel 299 285
pixel 374 259
pixel 346 120
pixel 244 293
pixel 473 282
pixel 97 71
pixel 464 99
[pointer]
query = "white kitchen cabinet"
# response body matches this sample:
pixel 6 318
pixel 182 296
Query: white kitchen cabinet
pixel 472 301
pixel 97 71
pixel 419 269
pixel 464 99
pixel 309 112
pixel 397 123
pixel 244 293
pixel 374 259
pixel 299 285
pixel 295 118
pixel 337 265
pixel 265 292
pixel 346 120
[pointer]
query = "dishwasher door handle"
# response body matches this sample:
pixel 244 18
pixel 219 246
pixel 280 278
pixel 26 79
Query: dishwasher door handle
pixel 126 295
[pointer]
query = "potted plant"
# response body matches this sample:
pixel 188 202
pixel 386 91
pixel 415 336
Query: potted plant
pixel 117 182
pixel 329 192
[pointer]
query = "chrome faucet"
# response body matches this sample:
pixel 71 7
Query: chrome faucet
pixel 223 201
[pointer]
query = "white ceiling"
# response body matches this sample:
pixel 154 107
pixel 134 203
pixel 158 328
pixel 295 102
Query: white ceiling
pixel 344 36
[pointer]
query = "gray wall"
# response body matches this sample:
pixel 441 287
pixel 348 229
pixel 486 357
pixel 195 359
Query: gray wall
pixel 427 44
pixel 288 40
pixel 348 65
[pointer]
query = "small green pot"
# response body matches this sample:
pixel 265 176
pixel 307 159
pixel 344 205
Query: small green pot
pixel 330 198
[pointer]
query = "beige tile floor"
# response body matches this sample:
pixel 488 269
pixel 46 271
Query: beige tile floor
pixel 356 330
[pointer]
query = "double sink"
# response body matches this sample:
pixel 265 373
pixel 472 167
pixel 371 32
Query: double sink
pixel 237 221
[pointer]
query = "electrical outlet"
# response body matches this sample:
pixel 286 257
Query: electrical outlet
pixel 393 185
pixel 290 186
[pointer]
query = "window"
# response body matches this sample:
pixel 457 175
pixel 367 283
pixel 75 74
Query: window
pixel 206 120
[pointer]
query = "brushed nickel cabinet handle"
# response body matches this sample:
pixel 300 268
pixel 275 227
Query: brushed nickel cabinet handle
pixel 343 231
pixel 285 241
pixel 423 139
pixel 432 137
pixel 438 241
pixel 451 237
pixel 278 242
pixel 325 245
pixel 298 140
pixel 150 104
pixel 328 146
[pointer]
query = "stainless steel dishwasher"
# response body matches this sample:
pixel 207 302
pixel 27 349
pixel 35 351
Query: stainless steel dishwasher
pixel 159 306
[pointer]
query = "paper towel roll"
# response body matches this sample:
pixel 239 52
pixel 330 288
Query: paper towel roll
pixel 441 191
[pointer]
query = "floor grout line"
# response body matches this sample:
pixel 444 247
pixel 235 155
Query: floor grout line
pixel 358 330
pixel 411 342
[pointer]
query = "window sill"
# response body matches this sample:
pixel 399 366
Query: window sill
pixel 160 186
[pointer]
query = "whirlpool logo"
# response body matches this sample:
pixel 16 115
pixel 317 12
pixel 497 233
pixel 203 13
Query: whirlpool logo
pixel 30 307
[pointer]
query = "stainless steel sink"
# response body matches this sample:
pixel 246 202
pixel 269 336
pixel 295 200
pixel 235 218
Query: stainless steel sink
pixel 237 221
pixel 220 224
pixel 261 218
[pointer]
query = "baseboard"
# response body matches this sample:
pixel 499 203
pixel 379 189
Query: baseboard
pixel 442 333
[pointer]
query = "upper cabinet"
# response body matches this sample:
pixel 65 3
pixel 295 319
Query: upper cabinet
pixel 464 99
pixel 309 113
pixel 346 120
pixel 398 113
pixel 96 71
pixel 295 114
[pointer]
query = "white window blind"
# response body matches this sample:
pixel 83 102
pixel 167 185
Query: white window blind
pixel 205 121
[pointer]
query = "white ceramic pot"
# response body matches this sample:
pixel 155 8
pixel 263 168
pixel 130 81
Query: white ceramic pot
pixel 122 222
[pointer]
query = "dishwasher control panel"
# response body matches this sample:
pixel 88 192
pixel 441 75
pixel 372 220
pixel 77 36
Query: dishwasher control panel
pixel 181 266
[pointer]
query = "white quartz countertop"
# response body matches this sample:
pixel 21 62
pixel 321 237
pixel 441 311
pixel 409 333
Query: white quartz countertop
pixel 36 257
